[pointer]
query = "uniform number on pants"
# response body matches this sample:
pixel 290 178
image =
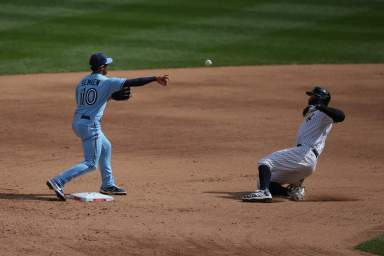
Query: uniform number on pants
pixel 88 96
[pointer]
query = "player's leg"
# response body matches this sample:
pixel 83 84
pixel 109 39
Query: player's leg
pixel 281 167
pixel 265 178
pixel 262 193
pixel 293 191
pixel 108 185
pixel 107 179
pixel 291 167
pixel 277 189
pixel 274 187
pixel 91 149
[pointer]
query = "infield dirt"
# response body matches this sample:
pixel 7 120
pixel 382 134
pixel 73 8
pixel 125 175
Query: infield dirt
pixel 186 154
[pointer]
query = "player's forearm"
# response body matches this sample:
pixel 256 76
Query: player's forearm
pixel 139 81
pixel 336 114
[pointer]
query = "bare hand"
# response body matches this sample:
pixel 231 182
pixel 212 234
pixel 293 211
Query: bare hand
pixel 163 80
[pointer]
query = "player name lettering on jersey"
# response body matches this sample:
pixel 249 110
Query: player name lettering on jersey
pixel 92 95
pixel 90 82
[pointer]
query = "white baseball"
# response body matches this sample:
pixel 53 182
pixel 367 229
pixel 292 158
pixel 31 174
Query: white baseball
pixel 208 62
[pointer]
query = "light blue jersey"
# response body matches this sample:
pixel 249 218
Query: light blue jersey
pixel 92 94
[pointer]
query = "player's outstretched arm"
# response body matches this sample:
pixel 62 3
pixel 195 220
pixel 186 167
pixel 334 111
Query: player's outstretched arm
pixel 163 80
pixel 336 114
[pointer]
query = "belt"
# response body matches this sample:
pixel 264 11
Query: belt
pixel 85 117
pixel 313 150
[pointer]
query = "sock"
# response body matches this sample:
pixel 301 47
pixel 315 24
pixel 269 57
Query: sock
pixel 264 176
pixel 276 189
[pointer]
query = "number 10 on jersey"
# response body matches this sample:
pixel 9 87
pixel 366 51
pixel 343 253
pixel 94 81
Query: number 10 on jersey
pixel 88 96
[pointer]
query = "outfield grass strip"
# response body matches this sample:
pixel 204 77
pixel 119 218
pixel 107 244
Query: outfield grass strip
pixel 375 246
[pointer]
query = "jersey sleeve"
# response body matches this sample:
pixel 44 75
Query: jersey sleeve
pixel 114 84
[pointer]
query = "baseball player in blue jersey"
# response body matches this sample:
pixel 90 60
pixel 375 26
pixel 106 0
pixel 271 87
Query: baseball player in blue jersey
pixel 291 166
pixel 92 95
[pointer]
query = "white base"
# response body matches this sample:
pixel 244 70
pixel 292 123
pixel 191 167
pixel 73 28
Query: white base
pixel 91 197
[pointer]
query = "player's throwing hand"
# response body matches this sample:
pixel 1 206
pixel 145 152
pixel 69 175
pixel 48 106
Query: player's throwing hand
pixel 163 80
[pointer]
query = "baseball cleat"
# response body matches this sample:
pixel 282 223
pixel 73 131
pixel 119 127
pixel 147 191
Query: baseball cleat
pixel 258 196
pixel 113 190
pixel 59 191
pixel 296 193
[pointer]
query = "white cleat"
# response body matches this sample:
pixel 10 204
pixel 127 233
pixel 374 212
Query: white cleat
pixel 258 196
pixel 296 193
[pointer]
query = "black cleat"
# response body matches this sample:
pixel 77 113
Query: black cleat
pixel 113 190
pixel 59 191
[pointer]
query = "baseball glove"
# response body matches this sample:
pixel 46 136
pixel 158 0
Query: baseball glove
pixel 122 94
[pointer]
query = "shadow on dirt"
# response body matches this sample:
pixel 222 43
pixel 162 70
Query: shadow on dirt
pixel 276 199
pixel 238 195
pixel 330 198
pixel 32 197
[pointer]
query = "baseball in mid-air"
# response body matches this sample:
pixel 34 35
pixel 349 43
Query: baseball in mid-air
pixel 208 62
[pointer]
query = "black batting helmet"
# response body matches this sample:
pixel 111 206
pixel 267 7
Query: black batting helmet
pixel 322 96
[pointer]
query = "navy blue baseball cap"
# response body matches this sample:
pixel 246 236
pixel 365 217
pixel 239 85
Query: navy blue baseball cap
pixel 99 59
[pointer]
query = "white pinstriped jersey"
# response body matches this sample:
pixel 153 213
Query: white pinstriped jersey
pixel 314 130
pixel 291 165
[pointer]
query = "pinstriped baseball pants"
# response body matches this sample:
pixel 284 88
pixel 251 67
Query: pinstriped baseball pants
pixel 290 165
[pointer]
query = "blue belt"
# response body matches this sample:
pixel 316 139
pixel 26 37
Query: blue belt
pixel 85 117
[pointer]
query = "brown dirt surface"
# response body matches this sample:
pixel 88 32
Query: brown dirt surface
pixel 186 154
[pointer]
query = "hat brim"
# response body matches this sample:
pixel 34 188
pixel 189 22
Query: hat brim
pixel 109 61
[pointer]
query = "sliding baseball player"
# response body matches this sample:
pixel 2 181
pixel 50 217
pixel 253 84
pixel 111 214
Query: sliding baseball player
pixel 291 166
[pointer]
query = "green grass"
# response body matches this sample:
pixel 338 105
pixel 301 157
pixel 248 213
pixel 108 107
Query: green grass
pixel 375 246
pixel 57 35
